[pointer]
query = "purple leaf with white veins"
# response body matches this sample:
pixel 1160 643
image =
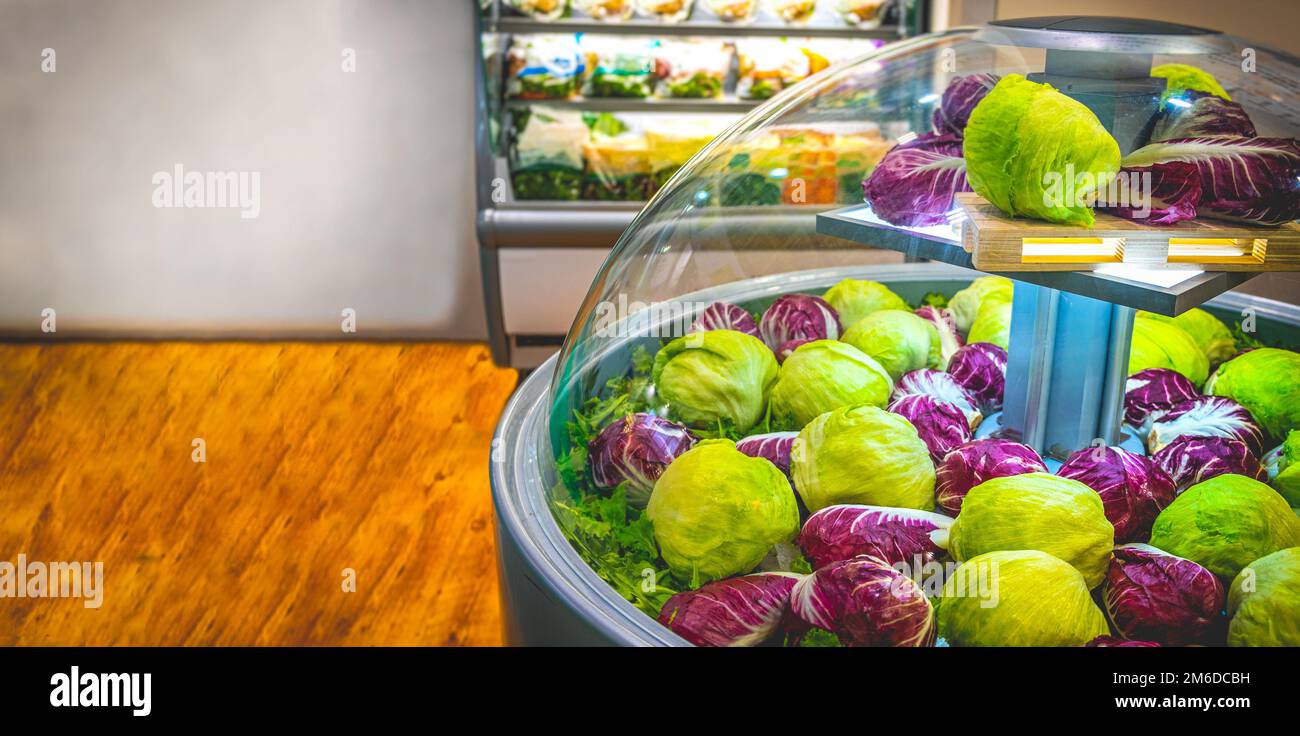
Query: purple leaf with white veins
pixel 798 317
pixel 1190 460
pixel 1175 192
pixel 865 602
pixel 1206 416
pixel 914 185
pixel 1133 489
pixel 950 340
pixel 1151 392
pixel 785 350
pixel 723 316
pixel 1251 179
pixel 981 368
pixel 941 386
pixel 896 536
pixel 1206 115
pixel 941 426
pixel 773 446
pixel 975 462
pixel 960 97
pixel 636 449
pixel 735 612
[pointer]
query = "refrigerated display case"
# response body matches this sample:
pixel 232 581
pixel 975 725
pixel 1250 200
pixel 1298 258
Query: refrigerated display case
pixel 635 82
pixel 621 493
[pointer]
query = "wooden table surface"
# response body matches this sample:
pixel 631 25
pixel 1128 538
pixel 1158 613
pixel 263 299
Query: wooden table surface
pixel 319 457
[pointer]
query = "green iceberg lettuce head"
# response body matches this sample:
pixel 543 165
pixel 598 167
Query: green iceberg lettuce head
pixel 1018 598
pixel 1226 523
pixel 717 512
pixel 1056 515
pixel 854 299
pixel 824 375
pixel 965 305
pixel 1284 468
pixel 862 454
pixel 1159 343
pixel 1207 331
pixel 1182 77
pixel 1267 382
pixel 1264 602
pixel 1034 152
pixel 900 341
pixel 715 376
pixel 992 324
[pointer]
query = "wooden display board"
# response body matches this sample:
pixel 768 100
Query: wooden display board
pixel 998 242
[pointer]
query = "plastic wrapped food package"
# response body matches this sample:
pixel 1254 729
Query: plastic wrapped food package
pixel 861 13
pixel 607 10
pixel 753 173
pixel 544 67
pixel 672 142
pixel 667 11
pixel 543 10
pixel 546 157
pixel 791 11
pixel 693 68
pixel 766 66
pixel 733 11
pixel 620 66
pixel 618 167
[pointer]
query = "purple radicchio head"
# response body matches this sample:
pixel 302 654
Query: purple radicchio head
pixel 960 97
pixel 915 183
pixel 735 612
pixel 942 426
pixel 981 367
pixel 975 462
pixel 1152 392
pixel 1132 488
pixel 866 602
pixel 1190 460
pixel 774 446
pixel 798 317
pixel 950 340
pixel 635 450
pixel 897 536
pixel 1206 416
pixel 723 316
pixel 1155 596
pixel 941 386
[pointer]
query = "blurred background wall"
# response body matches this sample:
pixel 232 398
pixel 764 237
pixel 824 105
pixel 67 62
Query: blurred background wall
pixel 366 177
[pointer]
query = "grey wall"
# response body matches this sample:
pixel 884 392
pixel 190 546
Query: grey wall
pixel 366 178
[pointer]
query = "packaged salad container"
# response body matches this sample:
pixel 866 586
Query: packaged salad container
pixel 620 66
pixel 693 69
pixel 794 12
pixel 544 67
pixel 667 11
pixel 861 13
pixel 671 143
pixel 607 10
pixel 546 154
pixel 766 428
pixel 766 66
pixel 543 10
pixel 733 11
pixel 618 167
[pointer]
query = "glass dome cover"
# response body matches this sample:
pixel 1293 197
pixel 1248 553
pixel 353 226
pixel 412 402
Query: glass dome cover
pixel 735 231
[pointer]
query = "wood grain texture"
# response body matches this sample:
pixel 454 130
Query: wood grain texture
pixel 320 457
pixel 996 242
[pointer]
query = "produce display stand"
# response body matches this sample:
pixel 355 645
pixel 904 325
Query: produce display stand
pixel 1071 329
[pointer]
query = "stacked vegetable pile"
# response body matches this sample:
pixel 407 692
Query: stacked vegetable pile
pixel 809 475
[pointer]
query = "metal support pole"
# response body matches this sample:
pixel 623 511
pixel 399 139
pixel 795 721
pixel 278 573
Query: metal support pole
pixel 1066 370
